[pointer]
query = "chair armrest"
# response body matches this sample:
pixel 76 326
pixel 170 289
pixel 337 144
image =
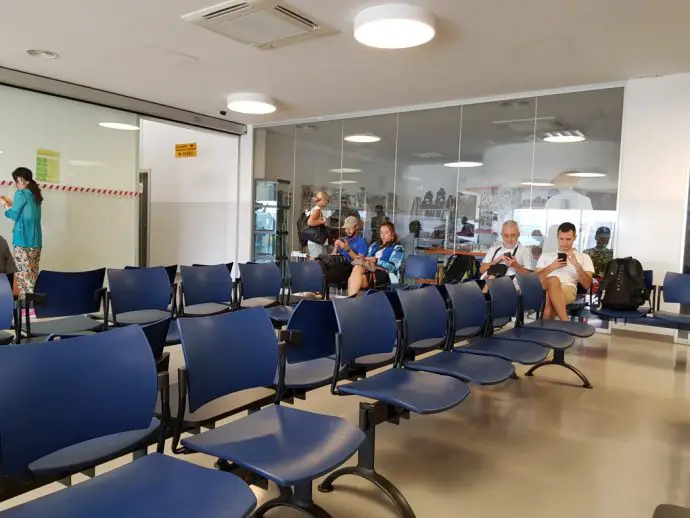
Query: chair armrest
pixel 164 390
pixel 39 299
pixel 291 338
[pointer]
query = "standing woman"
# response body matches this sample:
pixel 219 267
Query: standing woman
pixel 27 237
pixel 317 225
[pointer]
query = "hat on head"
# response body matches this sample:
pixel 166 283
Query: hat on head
pixel 603 230
pixel 350 222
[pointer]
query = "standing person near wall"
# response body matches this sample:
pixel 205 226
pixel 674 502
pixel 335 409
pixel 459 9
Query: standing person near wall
pixel 27 237
pixel 316 244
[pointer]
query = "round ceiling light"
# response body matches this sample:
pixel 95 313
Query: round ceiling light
pixel 118 126
pixel 464 163
pixel 537 184
pixel 564 137
pixel 586 175
pixel 345 170
pixel 363 139
pixel 252 104
pixel 394 26
pixel 44 54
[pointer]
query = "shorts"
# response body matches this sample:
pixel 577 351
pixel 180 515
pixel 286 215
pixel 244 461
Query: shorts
pixel 569 293
pixel 315 249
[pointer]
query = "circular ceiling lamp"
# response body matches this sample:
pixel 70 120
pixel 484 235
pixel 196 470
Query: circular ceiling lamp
pixel 564 137
pixel 367 138
pixel 119 126
pixel 586 175
pixel 537 184
pixel 394 26
pixel 345 170
pixel 251 104
pixel 43 54
pixel 464 163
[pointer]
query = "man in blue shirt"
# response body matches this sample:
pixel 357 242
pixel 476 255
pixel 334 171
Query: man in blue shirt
pixel 352 244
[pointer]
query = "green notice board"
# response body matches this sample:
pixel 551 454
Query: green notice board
pixel 47 166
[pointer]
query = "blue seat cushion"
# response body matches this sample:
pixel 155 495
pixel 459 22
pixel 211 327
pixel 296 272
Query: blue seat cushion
pixel 467 332
pixel 154 485
pixel 6 338
pixel 473 368
pixel 283 444
pixel 579 329
pixel 418 392
pixel 63 326
pixel 313 373
pixel 550 339
pixel 206 309
pixel 500 322
pixel 373 361
pixel 89 453
pixel 525 353
pixel 280 314
pixel 141 317
pixel 620 314
pixel 429 343
pixel 670 316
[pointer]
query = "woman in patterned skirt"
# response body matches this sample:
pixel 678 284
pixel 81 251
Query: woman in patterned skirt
pixel 25 211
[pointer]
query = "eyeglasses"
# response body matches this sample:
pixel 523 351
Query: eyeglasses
pixel 507 236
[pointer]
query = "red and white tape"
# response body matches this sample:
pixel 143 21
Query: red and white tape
pixel 75 188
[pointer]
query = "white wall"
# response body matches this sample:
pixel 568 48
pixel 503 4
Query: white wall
pixel 80 231
pixel 193 200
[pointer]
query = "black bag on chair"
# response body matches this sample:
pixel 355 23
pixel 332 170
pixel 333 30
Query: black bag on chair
pixel 335 268
pixel 623 286
pixel 460 268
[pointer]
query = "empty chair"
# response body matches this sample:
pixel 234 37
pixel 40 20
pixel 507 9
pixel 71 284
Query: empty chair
pixel 139 296
pixel 93 399
pixel 263 283
pixel 676 290
pixel 156 335
pixel 290 447
pixel 227 265
pixel 420 267
pixel 172 274
pixel 305 277
pixel 206 290
pixel 66 299
pixel 366 326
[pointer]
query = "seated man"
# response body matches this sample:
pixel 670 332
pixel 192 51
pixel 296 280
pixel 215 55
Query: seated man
pixel 561 271
pixel 509 258
pixel 601 254
pixel 351 246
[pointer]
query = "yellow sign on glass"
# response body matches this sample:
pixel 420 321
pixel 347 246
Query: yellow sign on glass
pixel 47 165
pixel 185 150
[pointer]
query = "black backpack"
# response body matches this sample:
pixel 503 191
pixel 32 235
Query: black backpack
pixel 460 268
pixel 623 286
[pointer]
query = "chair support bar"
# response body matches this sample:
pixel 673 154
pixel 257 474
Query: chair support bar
pixel 559 359
pixel 300 498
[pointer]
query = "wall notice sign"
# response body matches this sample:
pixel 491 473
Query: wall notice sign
pixel 185 150
pixel 47 166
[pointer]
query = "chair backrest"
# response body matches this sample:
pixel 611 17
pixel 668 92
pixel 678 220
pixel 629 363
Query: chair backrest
pixel 532 292
pixel 366 325
pixel 170 270
pixel 469 306
pixel 648 278
pixel 425 314
pixel 69 293
pixel 228 353
pixel 504 297
pixel 227 265
pixel 260 280
pixel 57 394
pixel 420 267
pixel 6 303
pixel 135 289
pixel 157 334
pixel 204 284
pixel 316 322
pixel 677 288
pixel 392 296
pixel 306 276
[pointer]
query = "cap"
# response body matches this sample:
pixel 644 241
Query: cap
pixel 350 222
pixel 603 230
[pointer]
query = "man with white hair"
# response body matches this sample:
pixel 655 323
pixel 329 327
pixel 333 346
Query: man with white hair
pixel 508 258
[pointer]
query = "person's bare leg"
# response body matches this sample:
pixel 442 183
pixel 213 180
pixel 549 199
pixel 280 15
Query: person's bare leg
pixel 553 287
pixel 549 313
pixel 354 283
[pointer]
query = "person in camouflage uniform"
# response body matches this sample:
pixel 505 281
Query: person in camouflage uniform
pixel 601 254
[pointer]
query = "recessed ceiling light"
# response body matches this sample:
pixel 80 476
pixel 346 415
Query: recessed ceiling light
pixel 44 54
pixel 363 139
pixel 343 182
pixel 464 163
pixel 119 126
pixel 564 137
pixel 586 175
pixel 537 184
pixel 250 103
pixel 345 170
pixel 394 26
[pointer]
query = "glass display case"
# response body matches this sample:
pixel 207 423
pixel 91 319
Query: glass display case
pixel 272 201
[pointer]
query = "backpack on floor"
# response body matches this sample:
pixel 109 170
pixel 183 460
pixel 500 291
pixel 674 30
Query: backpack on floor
pixel 623 286
pixel 460 268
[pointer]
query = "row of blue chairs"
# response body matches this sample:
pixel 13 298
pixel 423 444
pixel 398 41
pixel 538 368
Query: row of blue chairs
pixel 97 396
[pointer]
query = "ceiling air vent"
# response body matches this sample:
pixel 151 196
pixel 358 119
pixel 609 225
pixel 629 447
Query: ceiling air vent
pixel 264 24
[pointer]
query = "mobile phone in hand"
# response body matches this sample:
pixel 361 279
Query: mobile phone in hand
pixel 562 256
pixel 508 255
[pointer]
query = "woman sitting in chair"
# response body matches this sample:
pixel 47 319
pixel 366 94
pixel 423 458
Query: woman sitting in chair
pixel 383 260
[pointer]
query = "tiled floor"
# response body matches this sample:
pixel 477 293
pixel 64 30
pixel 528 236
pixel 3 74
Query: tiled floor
pixel 536 447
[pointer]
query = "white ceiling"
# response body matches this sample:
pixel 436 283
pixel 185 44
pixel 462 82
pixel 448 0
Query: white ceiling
pixel 143 49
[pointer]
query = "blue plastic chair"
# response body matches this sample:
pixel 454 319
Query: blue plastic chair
pixel 676 290
pixel 367 326
pixel 7 312
pixel 263 281
pixel 66 299
pixel 427 324
pixel 206 290
pixel 92 400
pixel 305 277
pixel 420 267
pixel 139 295
pixel 174 288
pixel 237 351
pixel 156 334
pixel 635 314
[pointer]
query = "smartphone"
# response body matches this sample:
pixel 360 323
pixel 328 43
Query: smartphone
pixel 508 254
pixel 562 256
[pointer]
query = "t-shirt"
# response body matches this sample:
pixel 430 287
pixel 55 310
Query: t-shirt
pixel 521 253
pixel 567 274
pixel 357 244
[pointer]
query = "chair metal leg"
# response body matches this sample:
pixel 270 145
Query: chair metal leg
pixel 299 499
pixel 559 359
pixel 369 416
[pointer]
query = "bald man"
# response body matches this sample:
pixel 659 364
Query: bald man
pixel 511 253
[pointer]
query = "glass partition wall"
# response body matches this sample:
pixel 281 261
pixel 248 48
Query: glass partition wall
pixel 449 177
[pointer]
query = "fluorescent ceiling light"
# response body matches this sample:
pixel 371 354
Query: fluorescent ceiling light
pixel 537 184
pixel 394 26
pixel 86 163
pixel 464 163
pixel 412 179
pixel 345 170
pixel 363 139
pixel 564 137
pixel 44 54
pixel 250 103
pixel 586 175
pixel 118 126
pixel 343 182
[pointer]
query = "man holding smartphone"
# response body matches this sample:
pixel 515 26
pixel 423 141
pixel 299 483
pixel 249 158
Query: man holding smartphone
pixel 515 258
pixel 560 273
